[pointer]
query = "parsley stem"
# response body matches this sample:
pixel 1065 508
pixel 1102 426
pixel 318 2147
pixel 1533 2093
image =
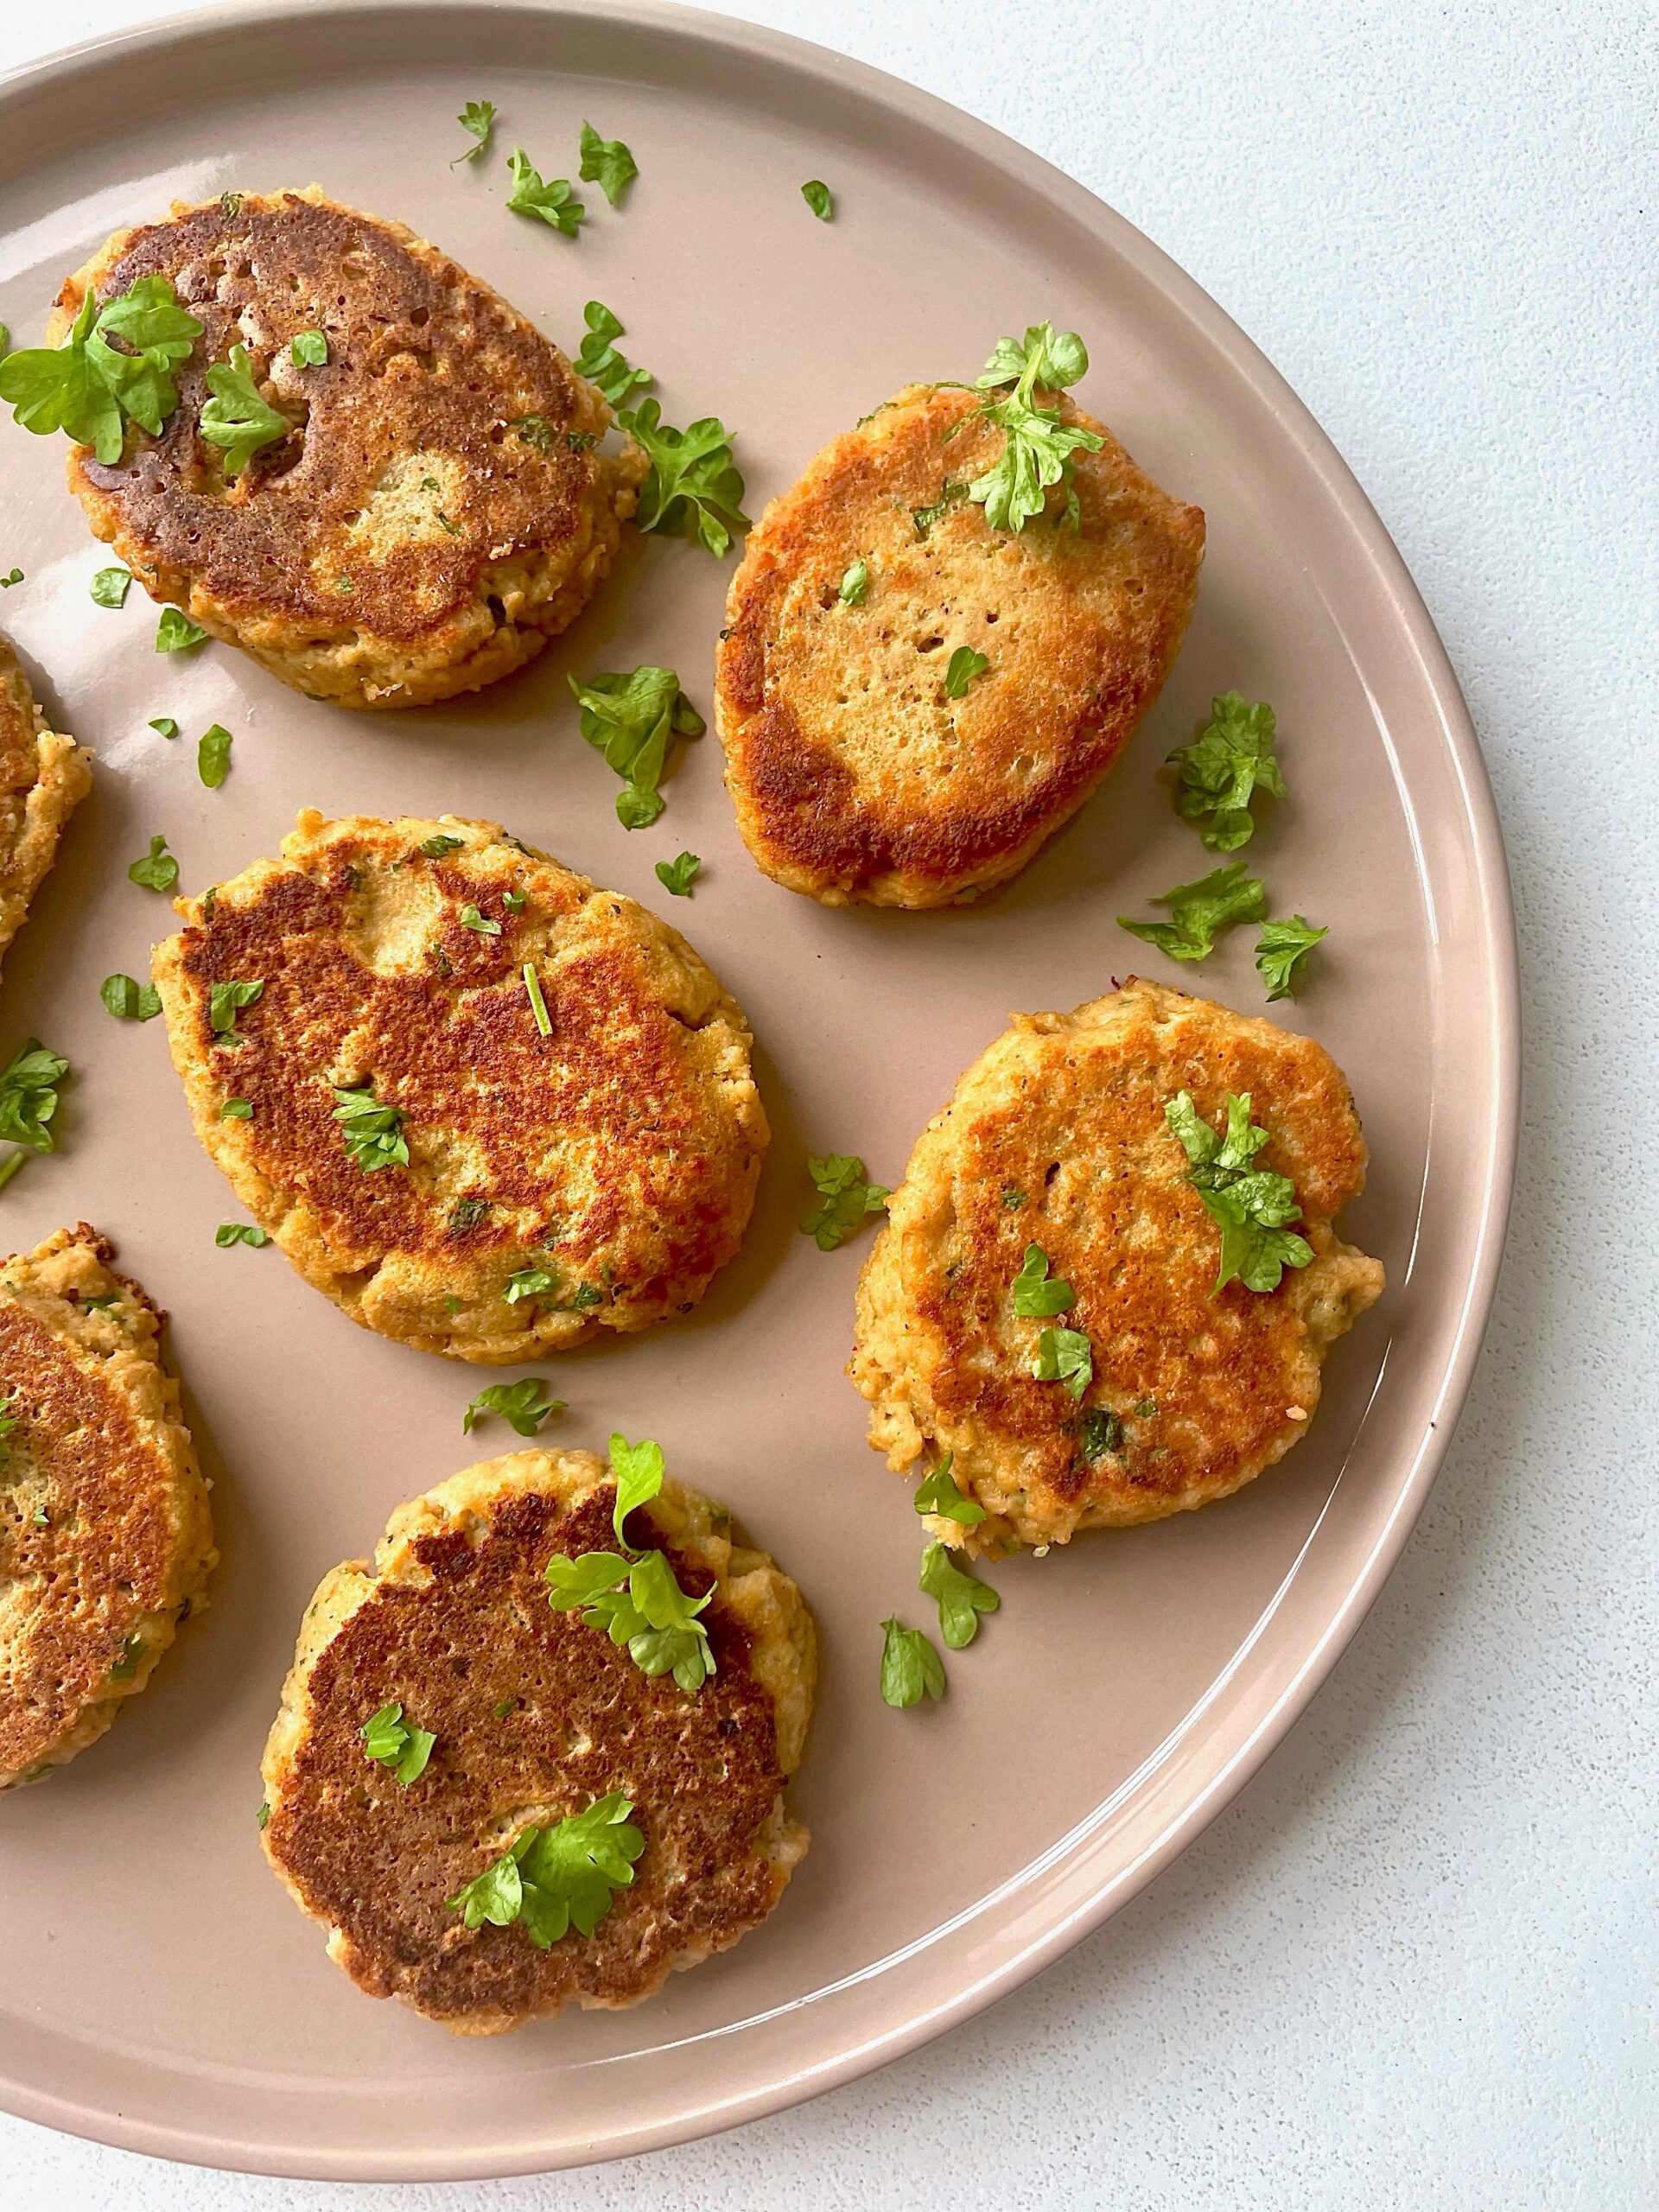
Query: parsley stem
pixel 538 1003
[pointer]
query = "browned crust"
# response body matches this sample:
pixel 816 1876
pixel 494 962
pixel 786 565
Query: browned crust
pixel 455 1621
pixel 1057 1137
pixel 43 777
pixel 1094 621
pixel 368 596
pixel 620 1152
pixel 105 1535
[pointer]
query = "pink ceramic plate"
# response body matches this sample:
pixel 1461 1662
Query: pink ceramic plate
pixel 160 1991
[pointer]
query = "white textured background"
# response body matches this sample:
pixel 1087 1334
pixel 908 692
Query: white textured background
pixel 1413 1966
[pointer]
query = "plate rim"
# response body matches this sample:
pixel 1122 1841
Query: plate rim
pixel 1491 904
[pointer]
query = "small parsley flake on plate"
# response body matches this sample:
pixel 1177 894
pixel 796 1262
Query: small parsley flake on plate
pixel 819 198
pixel 176 633
pixel 478 119
pixel 128 1000
pixel 677 876
pixel 110 587
pixel 239 1232
pixel 1201 911
pixel 606 162
pixel 548 201
pixel 911 1668
pixel 848 1195
pixel 157 870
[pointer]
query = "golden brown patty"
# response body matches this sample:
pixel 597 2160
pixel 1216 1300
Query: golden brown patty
pixel 105 1541
pixel 43 777
pixel 439 510
pixel 855 777
pixel 594 1177
pixel 1057 1137
pixel 537 1716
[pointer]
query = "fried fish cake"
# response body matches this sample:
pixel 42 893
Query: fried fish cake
pixel 1056 1138
pixel 535 1716
pixel 485 1107
pixel 105 1541
pixel 43 777
pixel 855 774
pixel 440 506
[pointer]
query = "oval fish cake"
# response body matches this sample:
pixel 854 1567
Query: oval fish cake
pixel 43 777
pixel 440 506
pixel 854 775
pixel 1056 1138
pixel 535 1716
pixel 105 1540
pixel 464 1160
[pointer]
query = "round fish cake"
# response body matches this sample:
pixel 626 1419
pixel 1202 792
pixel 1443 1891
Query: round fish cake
pixel 854 775
pixel 1056 1139
pixel 485 1107
pixel 535 1716
pixel 105 1541
pixel 441 506
pixel 43 777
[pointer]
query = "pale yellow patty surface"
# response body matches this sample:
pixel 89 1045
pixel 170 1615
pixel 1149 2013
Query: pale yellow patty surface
pixel 590 1174
pixel 106 1538
pixel 443 501
pixel 536 1715
pixel 43 777
pixel 1056 1137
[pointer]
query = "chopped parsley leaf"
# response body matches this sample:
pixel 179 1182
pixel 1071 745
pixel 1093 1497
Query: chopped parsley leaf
pixel 129 1000
pixel 631 718
pixel 599 361
pixel 911 1668
pixel 965 665
pixel 1231 759
pixel 951 494
pixel 538 1003
pixel 263 1816
pixel 1250 1206
pixel 937 1493
pixel 1281 951
pixel 606 162
pixel 213 755
pixel 15 576
pixel 439 844
pixel 175 632
pixel 637 1470
pixel 93 388
pixel 677 876
pixel 132 1651
pixel 1037 1296
pixel 523 1406
pixel 391 1741
pixel 225 1001
pixel 856 584
pixel 549 201
pixel 555 1878
pixel 373 1133
pixel 237 1109
pixel 239 1232
pixel 1064 1356
pixel 692 477
pixel 479 924
pixel 1200 909
pixel 164 726
pixel 848 1195
pixel 529 1282
pixel 819 199
pixel 29 1097
pixel 158 870
pixel 308 349
pixel 1100 1431
pixel 477 117
pixel 238 419
pixel 110 587
pixel 960 1597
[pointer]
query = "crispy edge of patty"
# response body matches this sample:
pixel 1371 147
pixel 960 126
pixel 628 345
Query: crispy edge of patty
pixel 520 1332
pixel 354 665
pixel 45 777
pixel 817 831
pixel 765 1602
pixel 898 1351
pixel 117 1349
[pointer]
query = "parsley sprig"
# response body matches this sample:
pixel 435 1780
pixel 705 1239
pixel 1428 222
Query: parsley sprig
pixel 1063 1355
pixel 635 1597
pixel 599 361
pixel 606 162
pixel 157 869
pixel 1037 446
pixel 394 1742
pixel 631 718
pixel 550 1879
pixel 848 1195
pixel 911 1668
pixel 373 1133
pixel 1250 1206
pixel 549 199
pixel 1281 951
pixel 477 118
pixel 937 1493
pixel 677 876
pixel 93 388
pixel 960 1596
pixel 1230 761
pixel 30 1084
pixel 523 1406
pixel 1200 911
pixel 239 419
pixel 692 477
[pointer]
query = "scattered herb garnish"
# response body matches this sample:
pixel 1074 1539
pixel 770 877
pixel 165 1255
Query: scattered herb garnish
pixel 239 1232
pixel 1037 1295
pixel 538 1003
pixel 677 876
pixel 440 843
pixel 164 726
pixel 514 901
pixel 93 388
pixel 1064 1356
pixel 237 1109
pixel 960 1597
pixel 1230 760
pixel 110 587
pixel 175 632
pixel 1038 446
pixel 263 1815
pixel 308 349
pixel 951 494
pixel 503 1707
pixel 29 1098
pixel 911 1668
pixel 550 200
pixel 1250 1206
pixel 129 1000
pixel 637 1600
pixel 225 1001
pixel 1281 951
pixel 1200 909
pixel 1099 1431
pixel 14 577
pixel 965 665
pixel 213 755
pixel 856 584
pixel 132 1651
pixel 606 162
pixel 692 476
pixel 599 361
pixel 557 1878
pixel 477 117
pixel 630 719
pixel 529 1282
pixel 523 1406
pixel 158 870
pixel 937 1493
pixel 848 1195
pixel 479 924
pixel 392 1741
pixel 373 1133
pixel 818 198
pixel 238 419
